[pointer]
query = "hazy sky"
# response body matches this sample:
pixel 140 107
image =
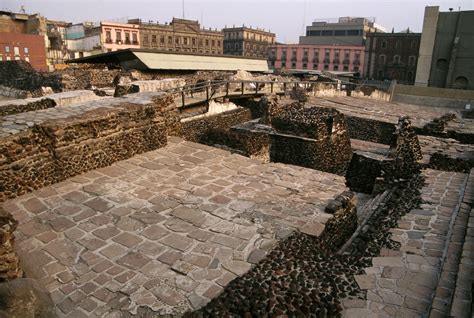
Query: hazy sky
pixel 284 17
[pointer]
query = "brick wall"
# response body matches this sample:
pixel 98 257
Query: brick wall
pixel 31 48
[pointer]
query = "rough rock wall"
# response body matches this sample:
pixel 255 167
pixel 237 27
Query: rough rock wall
pixel 55 150
pixel 13 107
pixel 20 75
pixel 370 130
pixel 362 172
pixel 207 130
pixel 315 138
pixel 9 262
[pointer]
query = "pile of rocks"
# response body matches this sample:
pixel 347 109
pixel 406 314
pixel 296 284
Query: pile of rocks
pixel 21 75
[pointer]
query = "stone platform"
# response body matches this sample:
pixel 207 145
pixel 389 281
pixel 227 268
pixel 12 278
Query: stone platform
pixel 167 229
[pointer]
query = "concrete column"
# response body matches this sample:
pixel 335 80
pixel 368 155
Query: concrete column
pixel 428 37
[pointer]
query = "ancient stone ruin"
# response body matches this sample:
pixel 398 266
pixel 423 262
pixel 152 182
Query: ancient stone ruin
pixel 219 194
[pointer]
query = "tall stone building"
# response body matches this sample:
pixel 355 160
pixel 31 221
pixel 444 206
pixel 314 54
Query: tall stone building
pixel 446 50
pixel 392 56
pixel 341 31
pixel 246 41
pixel 180 35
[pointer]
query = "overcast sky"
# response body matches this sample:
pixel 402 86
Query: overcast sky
pixel 284 17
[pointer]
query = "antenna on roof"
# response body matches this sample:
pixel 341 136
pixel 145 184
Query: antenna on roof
pixel 22 9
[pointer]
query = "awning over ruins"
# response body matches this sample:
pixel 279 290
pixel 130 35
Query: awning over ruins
pixel 157 60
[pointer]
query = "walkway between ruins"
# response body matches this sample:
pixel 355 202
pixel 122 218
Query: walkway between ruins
pixel 419 279
pixel 166 229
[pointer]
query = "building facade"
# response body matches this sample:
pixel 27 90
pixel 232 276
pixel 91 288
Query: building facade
pixel 119 36
pixel 392 56
pixel 26 47
pixel 244 41
pixel 342 31
pixel 446 57
pixel 180 35
pixel 345 58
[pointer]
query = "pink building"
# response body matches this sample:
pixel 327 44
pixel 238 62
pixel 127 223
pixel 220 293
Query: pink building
pixel 119 36
pixel 343 58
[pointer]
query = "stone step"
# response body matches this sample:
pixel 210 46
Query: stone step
pixel 450 264
pixel 461 304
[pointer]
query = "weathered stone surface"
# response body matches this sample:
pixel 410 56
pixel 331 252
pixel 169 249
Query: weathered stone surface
pixel 9 263
pixel 25 298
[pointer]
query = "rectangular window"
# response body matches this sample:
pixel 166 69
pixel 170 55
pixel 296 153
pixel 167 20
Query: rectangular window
pixel 326 33
pixel 213 43
pixel 207 42
pixel 7 49
pixel 135 38
pixel 185 41
pixel 336 67
pixel 339 32
pixel 170 40
pixel 108 37
pixel 127 38
pixel 396 59
pixel 118 36
pixel 193 41
pixel 153 38
pixel 26 50
pixel 293 65
pixel 219 43
pixel 162 39
pixel 352 32
pixel 305 66
pixel 16 50
pixel 145 39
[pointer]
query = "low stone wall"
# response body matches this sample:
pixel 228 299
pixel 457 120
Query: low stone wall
pixel 9 262
pixel 370 129
pixel 149 86
pixel 17 106
pixel 13 92
pixel 209 129
pixel 54 150
pixel 362 172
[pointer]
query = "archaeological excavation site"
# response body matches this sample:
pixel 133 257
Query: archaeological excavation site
pixel 127 193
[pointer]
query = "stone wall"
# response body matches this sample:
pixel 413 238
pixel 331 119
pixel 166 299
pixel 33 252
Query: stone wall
pixel 84 76
pixel 58 149
pixel 9 262
pixel 209 129
pixel 20 75
pixel 311 137
pixel 370 129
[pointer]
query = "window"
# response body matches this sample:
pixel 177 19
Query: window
pixel 118 35
pixel 7 49
pixel 396 59
pixel 335 67
pixel 170 40
pixel 213 43
pixel 176 40
pixel 326 67
pixel 353 32
pixel 135 38
pixel 236 46
pixel 8 58
pixel 162 39
pixel 219 43
pixel 127 37
pixel 356 69
pixel 27 59
pixel 305 66
pixel 326 33
pixel 26 50
pixel 313 33
pixel 207 42
pixel 185 40
pixel 193 40
pixel 345 68
pixel 283 63
pixel 397 44
pixel 411 60
pixel 380 74
pixel 315 66
pixel 108 36
pixel 229 46
pixel 339 32
pixel 16 50
pixel 382 59
pixel 383 44
pixel 293 64
pixel 145 39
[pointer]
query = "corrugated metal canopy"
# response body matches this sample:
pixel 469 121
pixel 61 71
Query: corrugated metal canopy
pixel 156 60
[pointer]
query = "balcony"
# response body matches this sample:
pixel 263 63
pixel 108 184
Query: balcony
pixel 326 61
pixel 109 41
pixel 356 62
pixel 127 42
pixel 135 42
pixel 346 62
pixel 336 61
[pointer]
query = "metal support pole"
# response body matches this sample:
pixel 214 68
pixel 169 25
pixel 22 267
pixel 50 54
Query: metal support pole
pixel 256 87
pixel 271 87
pixel 227 89
pixel 182 98
pixel 242 88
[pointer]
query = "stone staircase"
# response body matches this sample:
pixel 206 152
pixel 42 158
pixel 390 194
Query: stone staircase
pixel 431 273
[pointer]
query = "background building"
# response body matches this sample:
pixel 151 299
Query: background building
pixel 246 41
pixel 446 50
pixel 27 47
pixel 342 31
pixel 119 36
pixel 347 58
pixel 392 56
pixel 180 36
